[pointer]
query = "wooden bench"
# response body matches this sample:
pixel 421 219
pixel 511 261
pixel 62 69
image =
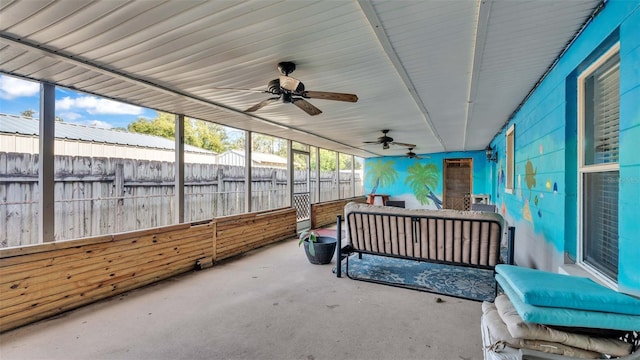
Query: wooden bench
pixel 459 238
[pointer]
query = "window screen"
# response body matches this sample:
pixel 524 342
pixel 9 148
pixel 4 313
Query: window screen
pixel 510 162
pixel 599 96
pixel 600 221
pixel 602 113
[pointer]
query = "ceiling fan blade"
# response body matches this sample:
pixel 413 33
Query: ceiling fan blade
pixel 262 104
pixel 306 106
pixel 371 142
pixel 330 96
pixel 403 144
pixel 238 89
pixel 291 84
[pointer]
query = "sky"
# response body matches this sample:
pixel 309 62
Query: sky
pixel 18 95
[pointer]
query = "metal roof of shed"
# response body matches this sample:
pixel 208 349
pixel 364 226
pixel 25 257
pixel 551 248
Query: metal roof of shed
pixel 26 126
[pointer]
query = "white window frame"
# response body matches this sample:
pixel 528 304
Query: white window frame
pixel 510 174
pixel 584 169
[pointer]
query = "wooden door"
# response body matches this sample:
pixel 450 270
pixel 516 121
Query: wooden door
pixel 458 175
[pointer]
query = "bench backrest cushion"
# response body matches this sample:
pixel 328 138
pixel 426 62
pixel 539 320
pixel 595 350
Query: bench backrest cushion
pixel 449 236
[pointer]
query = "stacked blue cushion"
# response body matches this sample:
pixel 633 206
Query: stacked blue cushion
pixel 565 300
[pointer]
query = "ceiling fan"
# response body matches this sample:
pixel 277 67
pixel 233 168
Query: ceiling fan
pixel 290 90
pixel 387 141
pixel 412 155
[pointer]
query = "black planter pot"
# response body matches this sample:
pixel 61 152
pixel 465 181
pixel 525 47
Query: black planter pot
pixel 324 247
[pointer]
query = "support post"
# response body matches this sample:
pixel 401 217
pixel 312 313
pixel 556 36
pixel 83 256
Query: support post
pixel 247 171
pixel 339 246
pixel 179 170
pixel 46 163
pixel 510 245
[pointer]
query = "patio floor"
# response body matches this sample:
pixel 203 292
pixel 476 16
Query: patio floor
pixel 268 304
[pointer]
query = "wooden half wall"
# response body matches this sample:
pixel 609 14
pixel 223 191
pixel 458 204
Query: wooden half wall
pixel 39 281
pixel 240 233
pixel 325 213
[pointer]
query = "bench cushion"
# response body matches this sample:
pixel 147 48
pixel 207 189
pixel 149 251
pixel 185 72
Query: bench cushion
pixel 499 336
pixel 568 317
pixel 533 331
pixel 541 288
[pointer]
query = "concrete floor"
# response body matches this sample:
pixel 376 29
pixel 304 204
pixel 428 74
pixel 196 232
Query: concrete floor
pixel 268 304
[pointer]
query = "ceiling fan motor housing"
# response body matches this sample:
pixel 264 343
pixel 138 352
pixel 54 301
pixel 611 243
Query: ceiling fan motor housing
pixel 286 67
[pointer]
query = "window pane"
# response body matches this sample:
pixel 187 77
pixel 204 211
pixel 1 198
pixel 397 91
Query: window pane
pixel 230 179
pixel 114 166
pixel 602 113
pixel 209 190
pixel 301 185
pixel 313 175
pixel 600 221
pixel 328 181
pixel 346 176
pixel 299 146
pixel 510 158
pixel 268 173
pixel 359 178
pixel 19 149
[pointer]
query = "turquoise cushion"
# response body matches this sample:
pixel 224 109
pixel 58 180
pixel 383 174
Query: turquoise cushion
pixel 541 288
pixel 568 317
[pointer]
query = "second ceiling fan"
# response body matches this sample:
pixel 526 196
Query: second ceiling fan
pixel 412 155
pixel 290 90
pixel 387 141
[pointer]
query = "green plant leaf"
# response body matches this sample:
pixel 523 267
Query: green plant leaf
pixel 312 248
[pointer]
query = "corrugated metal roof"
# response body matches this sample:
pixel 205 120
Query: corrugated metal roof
pixel 12 124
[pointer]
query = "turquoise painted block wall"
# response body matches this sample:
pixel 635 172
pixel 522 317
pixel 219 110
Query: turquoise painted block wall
pixel 629 242
pixel 543 206
pixel 418 182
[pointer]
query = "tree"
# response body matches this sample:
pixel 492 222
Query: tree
pixel 197 133
pixel 206 135
pixel 422 179
pixel 268 144
pixel 530 176
pixel 28 113
pixel 381 173
pixel 163 125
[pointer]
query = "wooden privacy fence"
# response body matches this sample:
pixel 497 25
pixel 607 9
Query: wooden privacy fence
pixel 97 196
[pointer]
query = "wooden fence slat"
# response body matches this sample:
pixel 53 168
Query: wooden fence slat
pixel 106 195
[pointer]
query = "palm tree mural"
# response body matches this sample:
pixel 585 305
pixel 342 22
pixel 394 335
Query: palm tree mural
pixel 381 174
pixel 421 179
pixel 530 178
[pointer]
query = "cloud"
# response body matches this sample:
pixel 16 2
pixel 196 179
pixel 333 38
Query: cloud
pixel 70 116
pixel 95 106
pixel 99 124
pixel 11 88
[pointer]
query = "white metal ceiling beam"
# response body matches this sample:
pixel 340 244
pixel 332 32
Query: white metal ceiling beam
pixel 484 12
pixel 376 25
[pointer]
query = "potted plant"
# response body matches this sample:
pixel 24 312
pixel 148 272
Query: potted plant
pixel 319 249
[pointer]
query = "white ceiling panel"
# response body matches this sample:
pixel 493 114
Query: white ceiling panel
pixel 444 75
